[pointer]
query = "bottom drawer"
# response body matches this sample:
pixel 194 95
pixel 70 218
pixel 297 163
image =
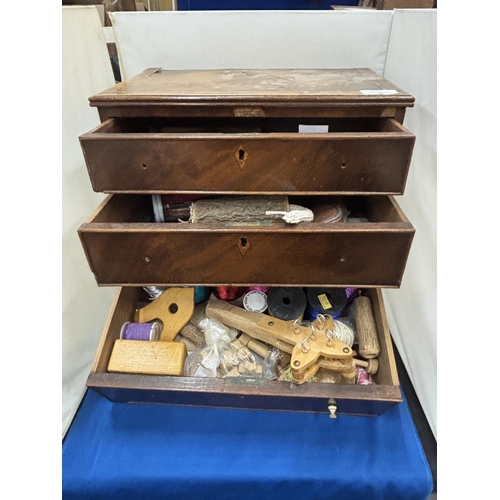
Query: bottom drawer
pixel 244 392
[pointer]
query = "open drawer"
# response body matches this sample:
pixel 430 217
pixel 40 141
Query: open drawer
pixel 125 247
pixel 249 154
pixel 241 392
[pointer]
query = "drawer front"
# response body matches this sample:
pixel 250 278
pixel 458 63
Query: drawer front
pixel 340 162
pixel 348 254
pixel 268 395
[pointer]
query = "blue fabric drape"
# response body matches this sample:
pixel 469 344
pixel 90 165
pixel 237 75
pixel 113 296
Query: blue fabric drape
pixel 148 452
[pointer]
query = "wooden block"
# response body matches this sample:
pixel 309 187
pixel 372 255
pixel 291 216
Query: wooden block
pixel 147 358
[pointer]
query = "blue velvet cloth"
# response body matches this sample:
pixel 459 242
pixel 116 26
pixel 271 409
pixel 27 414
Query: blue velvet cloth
pixel 148 452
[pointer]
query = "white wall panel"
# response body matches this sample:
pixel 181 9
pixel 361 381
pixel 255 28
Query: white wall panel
pixel 86 70
pixel 251 40
pixel 412 310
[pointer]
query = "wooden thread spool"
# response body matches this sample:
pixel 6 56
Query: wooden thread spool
pixel 368 344
pixel 370 366
pixel 254 345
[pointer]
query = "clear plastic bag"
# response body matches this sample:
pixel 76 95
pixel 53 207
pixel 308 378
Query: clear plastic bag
pixel 205 361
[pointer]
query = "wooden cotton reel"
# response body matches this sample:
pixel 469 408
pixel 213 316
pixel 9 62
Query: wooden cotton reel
pixel 174 308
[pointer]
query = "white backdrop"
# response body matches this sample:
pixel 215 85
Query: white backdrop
pixel 398 44
pixel 85 70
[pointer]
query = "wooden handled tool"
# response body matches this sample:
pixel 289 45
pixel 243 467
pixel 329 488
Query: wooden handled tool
pixel 371 366
pixel 174 308
pixel 310 347
pixel 368 344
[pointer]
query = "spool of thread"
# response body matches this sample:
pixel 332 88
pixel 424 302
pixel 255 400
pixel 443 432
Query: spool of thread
pixel 362 377
pixel 140 331
pixel 264 289
pixel 172 208
pixel 154 291
pixel 286 303
pixel 255 301
pixel 326 301
pixel 228 292
pixel 201 293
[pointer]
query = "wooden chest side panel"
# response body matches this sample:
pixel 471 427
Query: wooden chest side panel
pixel 343 258
pixel 284 163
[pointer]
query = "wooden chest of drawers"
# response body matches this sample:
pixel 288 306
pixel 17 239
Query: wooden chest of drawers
pixel 306 134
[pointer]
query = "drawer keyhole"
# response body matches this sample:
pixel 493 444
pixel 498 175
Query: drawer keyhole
pixel 243 245
pixel 241 156
pixel 144 166
pixel 343 165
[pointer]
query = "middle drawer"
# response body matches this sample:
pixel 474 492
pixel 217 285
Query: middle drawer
pixel 248 155
pixel 125 247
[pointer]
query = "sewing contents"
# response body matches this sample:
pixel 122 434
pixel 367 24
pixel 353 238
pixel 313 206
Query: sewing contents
pixel 141 331
pixel 255 301
pixel 286 303
pixel 228 292
pixel 249 333
pixel 366 328
pixel 193 333
pixel 331 301
pixel 294 214
pixel 351 293
pixel 173 208
pixel 331 211
pixel 238 209
pixel 311 346
pixel 362 377
pixel 174 308
pixel 263 350
pixel 340 330
pixel 201 293
pixel 264 289
pixel 147 358
pixel 154 292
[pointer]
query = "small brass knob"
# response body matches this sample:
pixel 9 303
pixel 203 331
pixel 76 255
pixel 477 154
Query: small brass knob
pixel 332 408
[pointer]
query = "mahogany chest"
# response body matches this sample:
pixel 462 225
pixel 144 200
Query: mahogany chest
pixel 309 135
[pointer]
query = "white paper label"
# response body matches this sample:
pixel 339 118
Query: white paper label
pixel 313 129
pixel 379 92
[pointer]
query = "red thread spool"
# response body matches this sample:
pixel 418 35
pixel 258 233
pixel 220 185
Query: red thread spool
pixel 228 292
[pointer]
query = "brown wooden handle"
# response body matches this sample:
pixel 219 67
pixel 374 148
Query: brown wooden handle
pixel 366 328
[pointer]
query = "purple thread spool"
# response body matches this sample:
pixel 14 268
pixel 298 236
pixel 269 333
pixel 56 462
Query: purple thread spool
pixel 263 289
pixel 140 331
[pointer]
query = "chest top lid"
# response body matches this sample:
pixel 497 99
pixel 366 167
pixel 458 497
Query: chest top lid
pixel 326 87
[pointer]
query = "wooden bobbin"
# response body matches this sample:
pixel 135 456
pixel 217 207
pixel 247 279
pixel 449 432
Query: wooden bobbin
pixel 368 344
pixel 371 366
pixel 254 345
pixel 174 308
pixel 194 334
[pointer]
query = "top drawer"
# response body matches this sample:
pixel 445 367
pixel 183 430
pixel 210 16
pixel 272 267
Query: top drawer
pixel 222 155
